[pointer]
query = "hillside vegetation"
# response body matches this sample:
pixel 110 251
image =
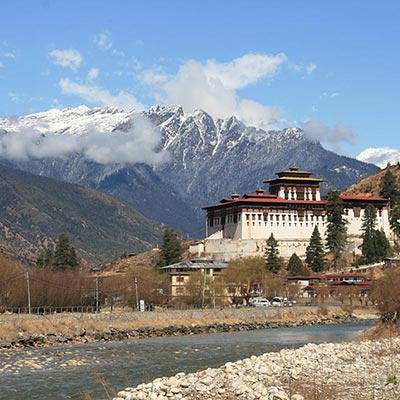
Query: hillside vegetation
pixel 34 210
pixel 371 185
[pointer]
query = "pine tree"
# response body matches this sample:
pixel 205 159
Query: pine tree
pixel 295 266
pixel 388 188
pixel 375 244
pixel 368 246
pixel 382 244
pixel 395 221
pixel 171 249
pixel 48 258
pixel 368 221
pixel 65 257
pixel 40 260
pixel 45 259
pixel 336 232
pixel 315 252
pixel 272 260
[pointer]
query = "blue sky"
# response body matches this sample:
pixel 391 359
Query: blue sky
pixel 331 67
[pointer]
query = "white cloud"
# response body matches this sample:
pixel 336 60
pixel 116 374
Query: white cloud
pixel 302 68
pixel 330 94
pixel 153 77
pixel 258 115
pixel 136 146
pixel 380 156
pixel 119 53
pixel 213 86
pixel 93 74
pixel 103 40
pixel 14 97
pixel 96 95
pixel 69 58
pixel 311 68
pixel 244 70
pixel 9 54
pixel 334 136
pixel 295 67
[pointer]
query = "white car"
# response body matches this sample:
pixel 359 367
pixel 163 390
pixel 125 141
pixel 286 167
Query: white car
pixel 281 302
pixel 260 303
pixel 277 301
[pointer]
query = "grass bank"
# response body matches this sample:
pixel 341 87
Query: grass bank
pixel 70 325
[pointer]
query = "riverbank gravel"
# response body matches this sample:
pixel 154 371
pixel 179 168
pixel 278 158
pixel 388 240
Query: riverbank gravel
pixel 365 370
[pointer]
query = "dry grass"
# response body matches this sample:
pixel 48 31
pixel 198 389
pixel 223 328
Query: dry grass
pixel 12 326
pixel 69 324
pixel 382 331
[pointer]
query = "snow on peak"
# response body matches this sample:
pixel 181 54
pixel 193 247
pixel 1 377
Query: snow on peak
pixel 380 156
pixel 74 121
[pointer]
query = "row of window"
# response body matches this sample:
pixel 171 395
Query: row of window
pixel 357 212
pixel 300 196
pixel 283 217
pixel 289 224
pixel 277 217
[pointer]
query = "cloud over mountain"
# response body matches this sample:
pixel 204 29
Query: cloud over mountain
pixel 214 86
pixel 136 145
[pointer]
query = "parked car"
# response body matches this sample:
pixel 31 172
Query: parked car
pixel 277 302
pixel 281 302
pixel 260 303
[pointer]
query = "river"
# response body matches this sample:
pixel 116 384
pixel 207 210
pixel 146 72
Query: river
pixel 98 370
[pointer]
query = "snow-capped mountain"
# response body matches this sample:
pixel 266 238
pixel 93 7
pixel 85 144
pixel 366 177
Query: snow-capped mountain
pixel 205 160
pixel 74 121
pixel 380 156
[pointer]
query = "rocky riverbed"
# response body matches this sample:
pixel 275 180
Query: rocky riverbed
pixel 367 370
pixel 86 335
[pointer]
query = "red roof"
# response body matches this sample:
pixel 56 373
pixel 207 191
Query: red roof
pixel 326 276
pixel 363 198
pixel 264 200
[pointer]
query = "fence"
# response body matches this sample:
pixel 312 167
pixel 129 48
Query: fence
pixel 47 310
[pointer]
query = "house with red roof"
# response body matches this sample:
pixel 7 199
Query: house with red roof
pixel 310 284
pixel 239 226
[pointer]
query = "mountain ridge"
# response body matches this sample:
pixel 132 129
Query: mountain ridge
pixel 34 210
pixel 208 159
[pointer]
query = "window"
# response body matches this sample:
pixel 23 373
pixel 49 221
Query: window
pixel 180 279
pixel 180 290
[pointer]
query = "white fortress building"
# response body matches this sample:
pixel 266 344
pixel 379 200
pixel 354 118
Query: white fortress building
pixel 239 226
